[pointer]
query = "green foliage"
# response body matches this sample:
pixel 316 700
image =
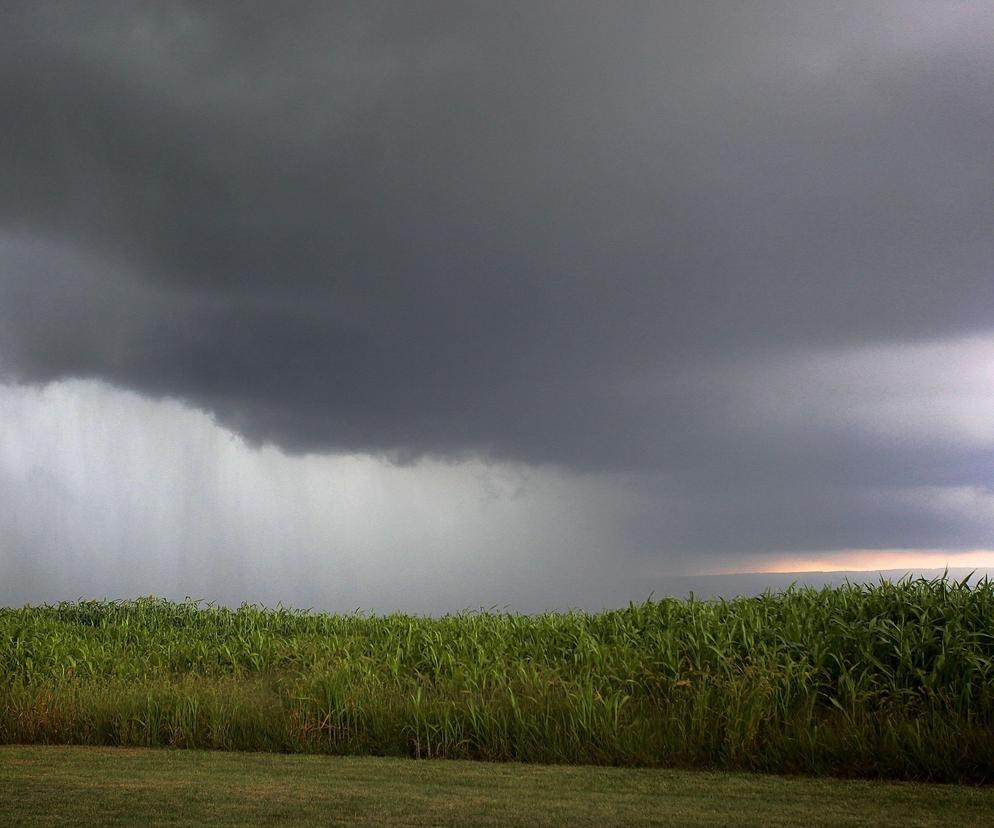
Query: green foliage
pixel 889 680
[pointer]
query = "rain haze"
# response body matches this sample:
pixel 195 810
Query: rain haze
pixel 432 306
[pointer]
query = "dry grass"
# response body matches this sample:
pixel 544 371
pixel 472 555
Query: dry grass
pixel 51 786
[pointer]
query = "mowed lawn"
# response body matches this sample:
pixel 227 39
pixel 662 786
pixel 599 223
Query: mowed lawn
pixel 45 785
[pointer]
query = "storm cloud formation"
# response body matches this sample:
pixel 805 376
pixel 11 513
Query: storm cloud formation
pixel 739 253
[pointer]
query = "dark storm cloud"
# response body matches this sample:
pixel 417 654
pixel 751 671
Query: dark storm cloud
pixel 528 231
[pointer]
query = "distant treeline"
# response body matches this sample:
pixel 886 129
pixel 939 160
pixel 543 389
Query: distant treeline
pixel 887 680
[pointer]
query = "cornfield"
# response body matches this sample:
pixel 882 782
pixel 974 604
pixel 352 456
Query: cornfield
pixel 886 680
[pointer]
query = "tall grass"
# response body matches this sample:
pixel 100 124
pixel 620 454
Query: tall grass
pixel 891 680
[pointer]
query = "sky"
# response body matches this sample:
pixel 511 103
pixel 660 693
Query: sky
pixel 430 306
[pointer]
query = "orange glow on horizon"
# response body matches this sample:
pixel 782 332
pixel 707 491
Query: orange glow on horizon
pixel 873 559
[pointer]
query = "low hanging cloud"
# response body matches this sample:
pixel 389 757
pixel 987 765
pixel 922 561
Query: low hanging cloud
pixel 732 260
pixel 109 494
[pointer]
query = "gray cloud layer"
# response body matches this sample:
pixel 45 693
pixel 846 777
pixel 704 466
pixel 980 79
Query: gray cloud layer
pixel 642 238
pixel 107 493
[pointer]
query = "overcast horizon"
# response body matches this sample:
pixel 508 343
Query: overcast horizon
pixel 452 305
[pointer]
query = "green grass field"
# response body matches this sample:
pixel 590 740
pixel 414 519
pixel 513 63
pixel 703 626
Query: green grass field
pixel 893 681
pixel 52 786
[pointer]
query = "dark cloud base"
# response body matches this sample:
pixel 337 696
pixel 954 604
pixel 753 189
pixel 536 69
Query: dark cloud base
pixel 523 233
